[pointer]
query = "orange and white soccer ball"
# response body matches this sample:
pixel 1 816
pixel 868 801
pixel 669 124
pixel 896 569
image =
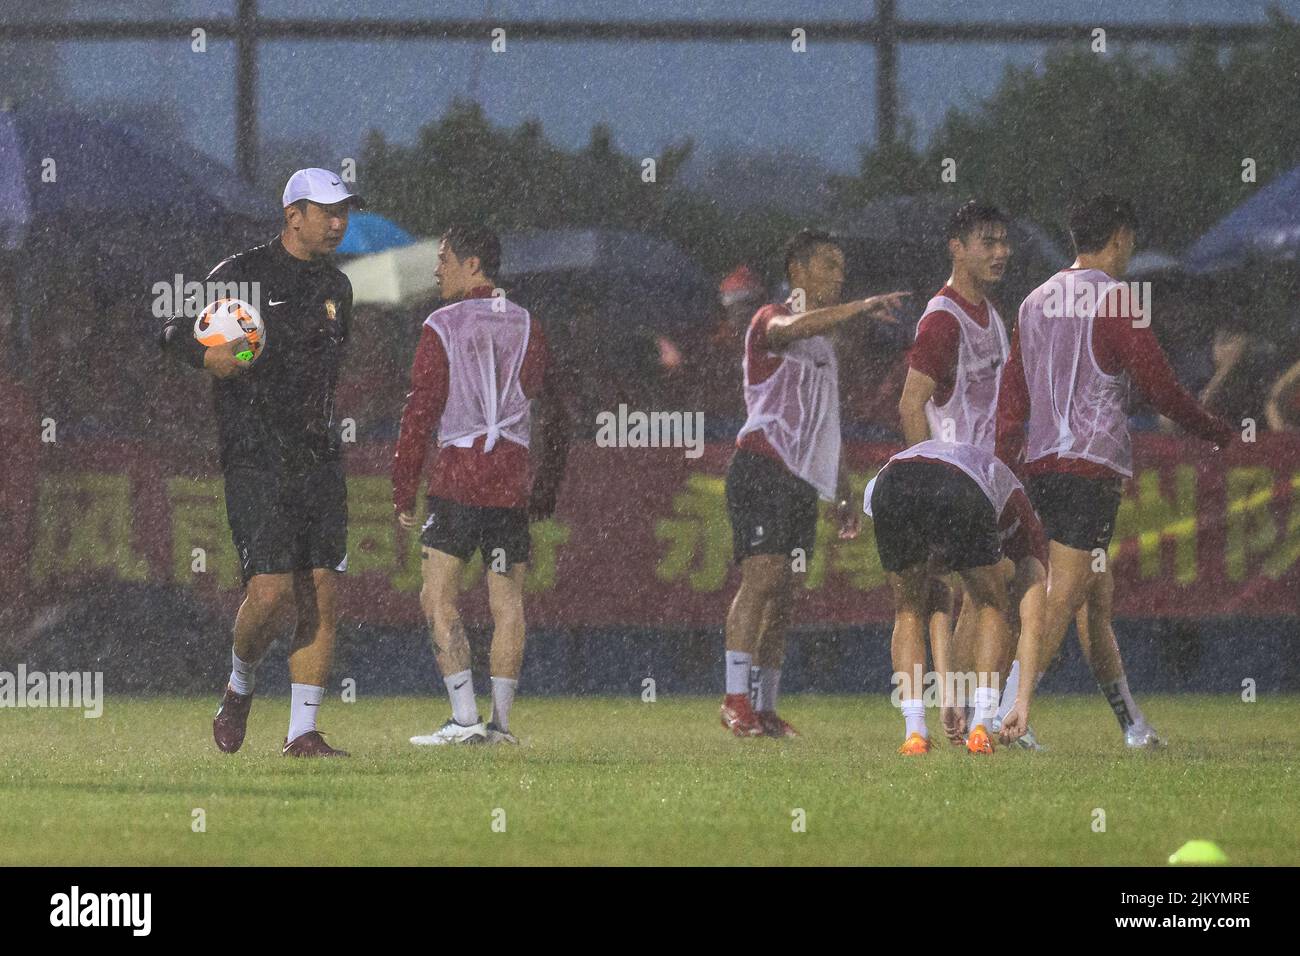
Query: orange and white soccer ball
pixel 228 319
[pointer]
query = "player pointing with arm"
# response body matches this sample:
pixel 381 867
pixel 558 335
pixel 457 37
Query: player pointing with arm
pixel 788 454
pixel 1063 421
pixel 286 497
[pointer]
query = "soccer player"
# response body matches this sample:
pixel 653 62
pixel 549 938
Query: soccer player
pixel 481 358
pixel 940 507
pixel 1079 345
pixel 787 456
pixel 286 497
pixel 951 394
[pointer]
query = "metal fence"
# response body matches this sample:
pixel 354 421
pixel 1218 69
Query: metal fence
pixel 879 27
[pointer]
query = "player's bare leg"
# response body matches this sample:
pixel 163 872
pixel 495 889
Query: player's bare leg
pixel 268 599
pixel 312 651
pixel 953 650
pixel 310 657
pixel 768 659
pixel 762 578
pixel 506 600
pixel 911 590
pixel 438 597
pixel 987 593
pixel 1069 576
pixel 1101 650
pixel 1010 665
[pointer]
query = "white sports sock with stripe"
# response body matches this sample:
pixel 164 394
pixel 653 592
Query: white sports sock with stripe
pixel 738 664
pixel 914 714
pixel 986 705
pixel 769 684
pixel 304 703
pixel 1009 691
pixel 503 695
pixel 460 688
pixel 241 674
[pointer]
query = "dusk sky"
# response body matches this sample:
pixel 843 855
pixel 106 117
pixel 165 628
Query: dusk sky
pixel 746 96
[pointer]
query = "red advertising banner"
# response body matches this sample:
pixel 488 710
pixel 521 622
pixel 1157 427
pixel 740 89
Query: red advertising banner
pixel 641 536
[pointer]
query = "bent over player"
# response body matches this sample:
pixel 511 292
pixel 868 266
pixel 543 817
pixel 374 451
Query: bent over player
pixel 479 362
pixel 286 497
pixel 787 456
pixel 940 507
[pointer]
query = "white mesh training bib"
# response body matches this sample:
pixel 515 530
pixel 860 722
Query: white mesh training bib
pixel 797 408
pixel 1075 409
pixel 981 356
pixel 485 351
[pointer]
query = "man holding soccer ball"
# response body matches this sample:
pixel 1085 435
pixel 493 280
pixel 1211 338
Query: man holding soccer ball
pixel 286 497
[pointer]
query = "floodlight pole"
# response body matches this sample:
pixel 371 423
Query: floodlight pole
pixel 246 90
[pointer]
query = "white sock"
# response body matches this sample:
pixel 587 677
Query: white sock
pixel 460 688
pixel 241 674
pixel 1127 712
pixel 986 705
pixel 305 701
pixel 1009 691
pixel 503 695
pixel 914 714
pixel 769 682
pixel 738 664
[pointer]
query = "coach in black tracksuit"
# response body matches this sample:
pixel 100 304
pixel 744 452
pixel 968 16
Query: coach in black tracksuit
pixel 280 449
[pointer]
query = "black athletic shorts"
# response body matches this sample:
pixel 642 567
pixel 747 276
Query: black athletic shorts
pixel 287 521
pixel 1076 511
pixel 772 511
pixel 460 530
pixel 924 509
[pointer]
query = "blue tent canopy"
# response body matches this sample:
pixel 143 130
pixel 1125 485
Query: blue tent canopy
pixel 59 162
pixel 1264 227
pixel 369 232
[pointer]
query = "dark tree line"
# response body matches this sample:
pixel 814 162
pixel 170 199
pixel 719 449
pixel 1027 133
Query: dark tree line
pixel 1172 136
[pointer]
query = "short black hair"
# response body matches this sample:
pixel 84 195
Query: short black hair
pixel 1094 220
pixel 969 215
pixel 803 244
pixel 477 241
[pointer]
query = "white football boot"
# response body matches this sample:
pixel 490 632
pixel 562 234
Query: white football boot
pixel 1143 737
pixel 453 733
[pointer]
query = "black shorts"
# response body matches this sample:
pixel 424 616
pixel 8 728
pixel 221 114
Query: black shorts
pixel 772 511
pixel 1076 511
pixel 285 521
pixel 924 510
pixel 460 530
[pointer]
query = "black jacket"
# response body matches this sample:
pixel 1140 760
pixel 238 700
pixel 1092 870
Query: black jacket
pixel 278 414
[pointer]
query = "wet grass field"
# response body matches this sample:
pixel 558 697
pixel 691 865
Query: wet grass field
pixel 619 781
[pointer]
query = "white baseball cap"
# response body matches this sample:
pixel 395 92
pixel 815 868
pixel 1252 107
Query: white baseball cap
pixel 318 185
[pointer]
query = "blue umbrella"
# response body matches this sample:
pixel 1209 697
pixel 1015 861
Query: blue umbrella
pixel 1264 227
pixel 368 232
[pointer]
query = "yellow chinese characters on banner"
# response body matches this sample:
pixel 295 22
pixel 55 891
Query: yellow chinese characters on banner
pixel 697 542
